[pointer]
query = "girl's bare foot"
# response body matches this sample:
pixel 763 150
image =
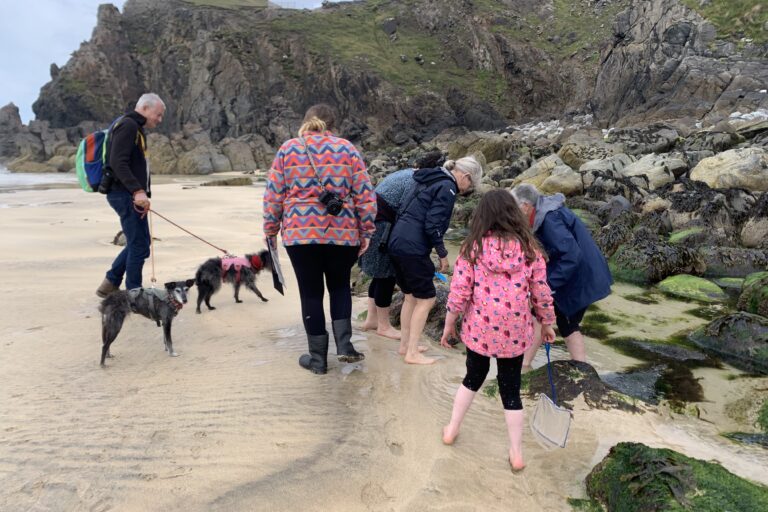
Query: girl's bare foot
pixel 419 359
pixel 449 434
pixel 516 461
pixel 391 333
pixel 420 348
pixel 526 368
pixel 368 326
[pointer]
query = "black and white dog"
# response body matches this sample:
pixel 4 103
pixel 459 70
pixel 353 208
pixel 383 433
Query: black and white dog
pixel 238 271
pixel 160 305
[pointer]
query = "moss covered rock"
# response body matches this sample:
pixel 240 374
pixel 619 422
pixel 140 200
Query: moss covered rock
pixel 741 339
pixel 691 287
pixel 634 477
pixel 685 235
pixel 733 261
pixel 645 259
pixel 573 378
pixel 754 295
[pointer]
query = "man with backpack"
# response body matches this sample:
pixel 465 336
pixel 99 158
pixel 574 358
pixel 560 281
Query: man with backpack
pixel 127 184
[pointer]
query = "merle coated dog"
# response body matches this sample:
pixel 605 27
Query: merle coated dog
pixel 237 271
pixel 160 305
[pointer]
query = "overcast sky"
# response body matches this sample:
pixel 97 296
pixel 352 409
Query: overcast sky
pixel 35 33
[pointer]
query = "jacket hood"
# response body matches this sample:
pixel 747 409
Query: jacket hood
pixel 501 256
pixel 544 205
pixel 429 176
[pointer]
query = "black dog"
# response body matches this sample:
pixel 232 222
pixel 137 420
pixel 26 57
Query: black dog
pixel 238 271
pixel 155 304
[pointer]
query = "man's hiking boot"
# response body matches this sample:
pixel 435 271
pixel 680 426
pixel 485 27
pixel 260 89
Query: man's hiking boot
pixel 105 288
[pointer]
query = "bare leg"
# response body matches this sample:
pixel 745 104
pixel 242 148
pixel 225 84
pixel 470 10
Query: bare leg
pixel 575 344
pixel 405 322
pixel 383 325
pixel 514 421
pixel 371 319
pixel 421 311
pixel 530 354
pixel 461 403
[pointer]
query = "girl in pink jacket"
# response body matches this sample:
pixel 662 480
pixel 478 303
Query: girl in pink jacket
pixel 499 274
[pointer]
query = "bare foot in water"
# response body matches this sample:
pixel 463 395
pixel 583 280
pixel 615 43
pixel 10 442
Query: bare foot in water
pixel 391 333
pixel 420 348
pixel 449 434
pixel 419 359
pixel 368 326
pixel 516 462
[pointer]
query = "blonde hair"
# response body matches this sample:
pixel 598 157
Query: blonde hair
pixel 313 124
pixel 468 165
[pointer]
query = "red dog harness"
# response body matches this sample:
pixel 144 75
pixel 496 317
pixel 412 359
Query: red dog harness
pixel 238 263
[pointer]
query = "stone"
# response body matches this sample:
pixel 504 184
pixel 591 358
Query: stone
pixel 691 287
pixel 562 179
pixel 740 339
pixel 754 294
pixel 658 170
pixel 724 261
pixel 539 171
pixel 745 168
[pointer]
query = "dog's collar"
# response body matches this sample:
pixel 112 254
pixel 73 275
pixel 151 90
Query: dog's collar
pixel 174 303
pixel 256 262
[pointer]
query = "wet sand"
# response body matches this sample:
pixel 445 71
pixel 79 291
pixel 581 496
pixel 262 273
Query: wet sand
pixel 234 423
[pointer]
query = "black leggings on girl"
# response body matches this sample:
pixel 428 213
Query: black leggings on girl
pixel 314 264
pixel 380 290
pixel 509 377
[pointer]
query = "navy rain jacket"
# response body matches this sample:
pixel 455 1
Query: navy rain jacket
pixel 421 226
pixel 576 271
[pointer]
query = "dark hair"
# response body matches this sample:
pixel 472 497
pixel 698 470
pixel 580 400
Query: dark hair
pixel 324 112
pixel 429 160
pixel 498 214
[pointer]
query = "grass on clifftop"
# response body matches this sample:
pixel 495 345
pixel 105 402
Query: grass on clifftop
pixel 230 4
pixel 353 34
pixel 735 19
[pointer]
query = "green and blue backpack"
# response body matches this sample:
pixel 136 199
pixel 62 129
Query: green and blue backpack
pixel 91 158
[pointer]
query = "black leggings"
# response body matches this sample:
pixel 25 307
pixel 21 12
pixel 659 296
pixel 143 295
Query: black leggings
pixel 508 376
pixel 312 263
pixel 380 290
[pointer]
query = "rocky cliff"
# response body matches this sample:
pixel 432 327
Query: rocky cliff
pixel 237 79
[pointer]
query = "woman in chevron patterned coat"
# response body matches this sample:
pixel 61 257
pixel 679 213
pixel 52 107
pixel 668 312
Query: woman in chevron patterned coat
pixel 322 246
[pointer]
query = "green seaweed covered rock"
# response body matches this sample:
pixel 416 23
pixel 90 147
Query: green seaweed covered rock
pixel 754 295
pixel 740 339
pixel 691 287
pixel 645 259
pixel 634 477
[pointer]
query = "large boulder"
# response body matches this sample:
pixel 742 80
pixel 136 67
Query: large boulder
pixel 732 261
pixel 655 138
pixel 539 171
pixel 646 258
pixel 583 146
pixel 636 478
pixel 571 379
pixel 685 286
pixel 435 321
pixel 162 156
pixel 736 168
pixel 655 170
pixel 563 179
pixel 740 339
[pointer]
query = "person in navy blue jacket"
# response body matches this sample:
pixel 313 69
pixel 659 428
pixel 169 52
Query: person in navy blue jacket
pixel 576 270
pixel 422 220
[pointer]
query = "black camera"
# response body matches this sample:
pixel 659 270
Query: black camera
pixel 332 201
pixel 107 179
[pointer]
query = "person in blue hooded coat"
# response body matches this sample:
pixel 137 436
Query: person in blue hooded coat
pixel 422 221
pixel 577 271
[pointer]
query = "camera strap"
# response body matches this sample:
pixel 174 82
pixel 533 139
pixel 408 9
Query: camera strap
pixel 311 162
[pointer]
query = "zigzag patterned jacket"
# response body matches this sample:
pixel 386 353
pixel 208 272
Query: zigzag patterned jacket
pixel 291 203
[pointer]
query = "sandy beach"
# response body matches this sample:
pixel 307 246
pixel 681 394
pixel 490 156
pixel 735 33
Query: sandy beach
pixel 234 423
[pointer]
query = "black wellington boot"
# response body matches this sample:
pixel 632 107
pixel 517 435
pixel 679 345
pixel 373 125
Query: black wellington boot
pixel 342 334
pixel 317 359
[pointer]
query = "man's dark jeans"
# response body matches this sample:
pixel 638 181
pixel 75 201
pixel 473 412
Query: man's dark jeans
pixel 130 261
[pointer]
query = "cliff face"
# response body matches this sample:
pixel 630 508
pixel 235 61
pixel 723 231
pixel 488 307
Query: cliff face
pixel 399 70
pixel 402 71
